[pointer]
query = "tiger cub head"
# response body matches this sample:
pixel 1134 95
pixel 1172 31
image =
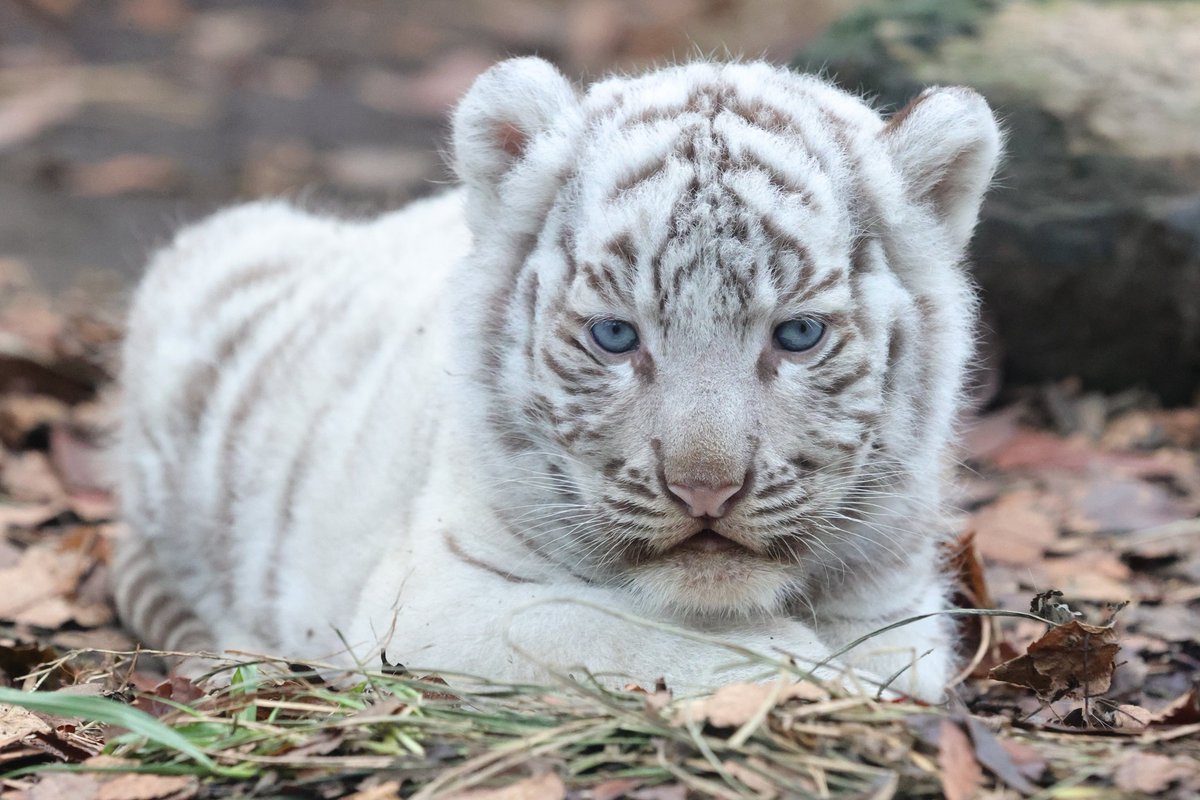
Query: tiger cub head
pixel 719 321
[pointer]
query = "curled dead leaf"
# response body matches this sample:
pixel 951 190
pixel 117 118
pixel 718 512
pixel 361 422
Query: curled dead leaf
pixel 1073 657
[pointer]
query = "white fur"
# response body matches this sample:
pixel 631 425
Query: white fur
pixel 344 467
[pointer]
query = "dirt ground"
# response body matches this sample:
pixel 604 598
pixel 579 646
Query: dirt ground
pixel 120 121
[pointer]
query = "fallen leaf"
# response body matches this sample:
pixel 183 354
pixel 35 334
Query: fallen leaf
pixel 1133 718
pixel 961 775
pixel 83 463
pixel 16 723
pixel 21 416
pixel 29 478
pixel 539 787
pixel 1028 761
pixel 64 786
pixel 1183 710
pixel 755 781
pixel 735 704
pixel 124 174
pixel 614 788
pixel 1118 504
pixel 1090 574
pixel 990 753
pixel 25 115
pixel 1171 623
pixel 1014 529
pixel 148 787
pixel 389 790
pixel 1068 658
pixel 1147 773
pixel 27 516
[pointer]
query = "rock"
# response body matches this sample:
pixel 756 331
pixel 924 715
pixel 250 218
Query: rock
pixel 1088 249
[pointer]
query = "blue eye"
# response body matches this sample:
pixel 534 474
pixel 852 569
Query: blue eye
pixel 798 335
pixel 615 336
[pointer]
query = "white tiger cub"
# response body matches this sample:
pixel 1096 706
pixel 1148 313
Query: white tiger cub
pixel 687 345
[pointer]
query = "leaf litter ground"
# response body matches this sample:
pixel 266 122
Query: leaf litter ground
pixel 1079 521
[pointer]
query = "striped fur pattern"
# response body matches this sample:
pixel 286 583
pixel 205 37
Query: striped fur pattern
pixel 401 433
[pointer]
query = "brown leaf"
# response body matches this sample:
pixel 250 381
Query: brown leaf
pixel 16 723
pixel 547 786
pixel 1028 761
pixel 1117 504
pixel 1132 718
pixel 614 788
pixel 42 587
pixel 966 566
pixel 961 774
pixel 1148 773
pixel 148 787
pixel 27 516
pixel 991 754
pixel 735 704
pixel 1183 710
pixel 1068 658
pixel 1014 529
pixel 175 688
pixel 124 174
pixel 26 114
pixel 29 478
pixel 389 790
pixel 1090 574
pixel 22 415
pixel 83 463
pixel 64 786
pixel 755 781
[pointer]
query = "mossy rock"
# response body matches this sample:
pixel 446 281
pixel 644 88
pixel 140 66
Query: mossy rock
pixel 1088 251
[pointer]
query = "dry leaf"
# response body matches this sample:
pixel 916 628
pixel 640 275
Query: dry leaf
pixel 16 723
pixel 21 415
pixel 735 704
pixel 1148 773
pixel 29 478
pixel 1014 529
pixel 1068 658
pixel 1090 574
pixel 614 788
pixel 64 786
pixel 1183 710
pixel 1133 718
pixel 124 174
pixel 961 773
pixel 763 787
pixel 148 787
pixel 539 787
pixel 389 790
pixel 990 753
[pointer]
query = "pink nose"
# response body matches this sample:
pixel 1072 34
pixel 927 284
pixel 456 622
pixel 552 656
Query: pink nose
pixel 705 501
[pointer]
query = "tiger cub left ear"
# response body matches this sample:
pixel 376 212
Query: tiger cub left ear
pixel 501 116
pixel 946 145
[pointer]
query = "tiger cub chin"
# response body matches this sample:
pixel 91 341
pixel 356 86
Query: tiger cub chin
pixel 687 346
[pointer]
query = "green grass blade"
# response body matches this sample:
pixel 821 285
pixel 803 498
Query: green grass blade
pixel 110 712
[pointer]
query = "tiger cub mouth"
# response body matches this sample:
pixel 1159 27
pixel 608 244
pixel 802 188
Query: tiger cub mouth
pixel 709 541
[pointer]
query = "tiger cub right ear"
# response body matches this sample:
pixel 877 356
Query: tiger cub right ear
pixel 500 117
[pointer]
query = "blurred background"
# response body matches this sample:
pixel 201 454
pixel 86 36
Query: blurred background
pixel 121 120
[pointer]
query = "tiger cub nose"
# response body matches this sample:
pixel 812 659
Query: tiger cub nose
pixel 705 501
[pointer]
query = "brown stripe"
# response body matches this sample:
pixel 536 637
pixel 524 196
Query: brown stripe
pixel 224 291
pixel 453 546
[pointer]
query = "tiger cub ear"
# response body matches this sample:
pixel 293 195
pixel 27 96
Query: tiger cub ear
pixel 946 145
pixel 501 115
